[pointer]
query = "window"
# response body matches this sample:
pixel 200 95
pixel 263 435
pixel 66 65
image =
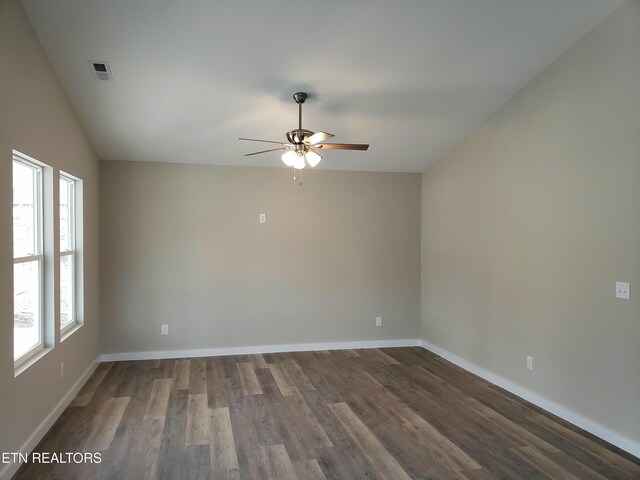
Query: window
pixel 45 281
pixel 28 260
pixel 68 253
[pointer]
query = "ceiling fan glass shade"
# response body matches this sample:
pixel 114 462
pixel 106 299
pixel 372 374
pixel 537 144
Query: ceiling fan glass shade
pixel 313 158
pixel 299 161
pixel 289 158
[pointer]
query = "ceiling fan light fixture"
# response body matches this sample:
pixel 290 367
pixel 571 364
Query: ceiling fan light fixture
pixel 289 158
pixel 313 158
pixel 299 161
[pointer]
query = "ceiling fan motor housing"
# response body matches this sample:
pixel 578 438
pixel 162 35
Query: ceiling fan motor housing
pixel 298 136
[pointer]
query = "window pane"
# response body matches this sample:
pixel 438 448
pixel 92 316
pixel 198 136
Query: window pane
pixel 24 210
pixel 66 290
pixel 66 230
pixel 26 307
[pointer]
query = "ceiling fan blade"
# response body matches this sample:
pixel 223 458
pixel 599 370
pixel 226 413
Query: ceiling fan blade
pixel 342 146
pixel 265 141
pixel 263 151
pixel 318 137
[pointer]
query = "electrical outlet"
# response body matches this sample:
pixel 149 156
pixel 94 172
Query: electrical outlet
pixel 165 329
pixel 61 369
pixel 529 362
pixel 622 290
pixel 378 321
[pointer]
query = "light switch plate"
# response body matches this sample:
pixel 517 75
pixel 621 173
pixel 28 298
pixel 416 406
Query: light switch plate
pixel 622 290
pixel 263 218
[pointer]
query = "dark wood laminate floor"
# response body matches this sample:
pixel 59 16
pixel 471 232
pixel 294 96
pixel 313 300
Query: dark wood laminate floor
pixel 392 414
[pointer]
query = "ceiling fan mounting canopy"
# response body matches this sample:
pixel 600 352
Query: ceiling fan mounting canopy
pixel 299 97
pixel 301 145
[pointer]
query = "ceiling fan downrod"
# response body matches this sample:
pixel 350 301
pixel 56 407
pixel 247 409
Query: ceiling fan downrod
pixel 299 97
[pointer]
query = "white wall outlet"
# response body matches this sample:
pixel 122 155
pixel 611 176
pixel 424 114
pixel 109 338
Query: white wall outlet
pixel 622 290
pixel 165 329
pixel 61 369
pixel 529 362
pixel 378 321
pixel 263 218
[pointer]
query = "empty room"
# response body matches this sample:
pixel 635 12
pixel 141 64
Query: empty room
pixel 319 240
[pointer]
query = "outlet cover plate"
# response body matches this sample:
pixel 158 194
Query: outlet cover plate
pixel 622 290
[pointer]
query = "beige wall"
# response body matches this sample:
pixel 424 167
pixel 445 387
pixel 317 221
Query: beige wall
pixel 529 222
pixel 181 245
pixel 37 119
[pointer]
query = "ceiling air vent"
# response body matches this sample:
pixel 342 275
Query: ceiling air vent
pixel 100 70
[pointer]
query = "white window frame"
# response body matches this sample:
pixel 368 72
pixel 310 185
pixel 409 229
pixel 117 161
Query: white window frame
pixel 38 254
pixel 72 252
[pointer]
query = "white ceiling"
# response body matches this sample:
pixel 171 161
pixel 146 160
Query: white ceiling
pixel 409 77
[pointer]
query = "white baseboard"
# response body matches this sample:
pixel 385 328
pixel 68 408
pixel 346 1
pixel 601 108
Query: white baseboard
pixel 11 468
pixel 570 416
pixel 288 347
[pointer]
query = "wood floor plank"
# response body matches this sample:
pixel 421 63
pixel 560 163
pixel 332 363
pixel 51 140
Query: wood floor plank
pixel 261 465
pixel 552 468
pixel 198 376
pixel 198 420
pixel 625 465
pixel 182 373
pixel 249 380
pixel 216 392
pixel 258 360
pixel 198 463
pixel 172 456
pixel 284 382
pixel 89 388
pixel 159 399
pixel 435 440
pixel 517 434
pixel 397 421
pixel 297 375
pixel 351 353
pixel 145 450
pixel 267 424
pixel 166 368
pixel 281 466
pixel 388 359
pixel 316 435
pixel 223 448
pixel 377 355
pixel 309 470
pixel 380 458
pixel 252 458
pixel 105 424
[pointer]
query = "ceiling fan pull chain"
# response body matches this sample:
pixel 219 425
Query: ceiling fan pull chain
pixel 294 173
pixel 301 177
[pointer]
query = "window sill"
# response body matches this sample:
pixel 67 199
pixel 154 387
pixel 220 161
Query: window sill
pixel 33 360
pixel 70 331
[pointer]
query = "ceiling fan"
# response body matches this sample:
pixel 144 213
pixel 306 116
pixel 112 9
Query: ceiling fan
pixel 303 144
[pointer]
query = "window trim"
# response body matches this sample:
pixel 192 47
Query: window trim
pixel 37 256
pixel 71 252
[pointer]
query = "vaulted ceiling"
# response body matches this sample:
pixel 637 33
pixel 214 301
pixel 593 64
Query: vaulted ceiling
pixel 409 77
